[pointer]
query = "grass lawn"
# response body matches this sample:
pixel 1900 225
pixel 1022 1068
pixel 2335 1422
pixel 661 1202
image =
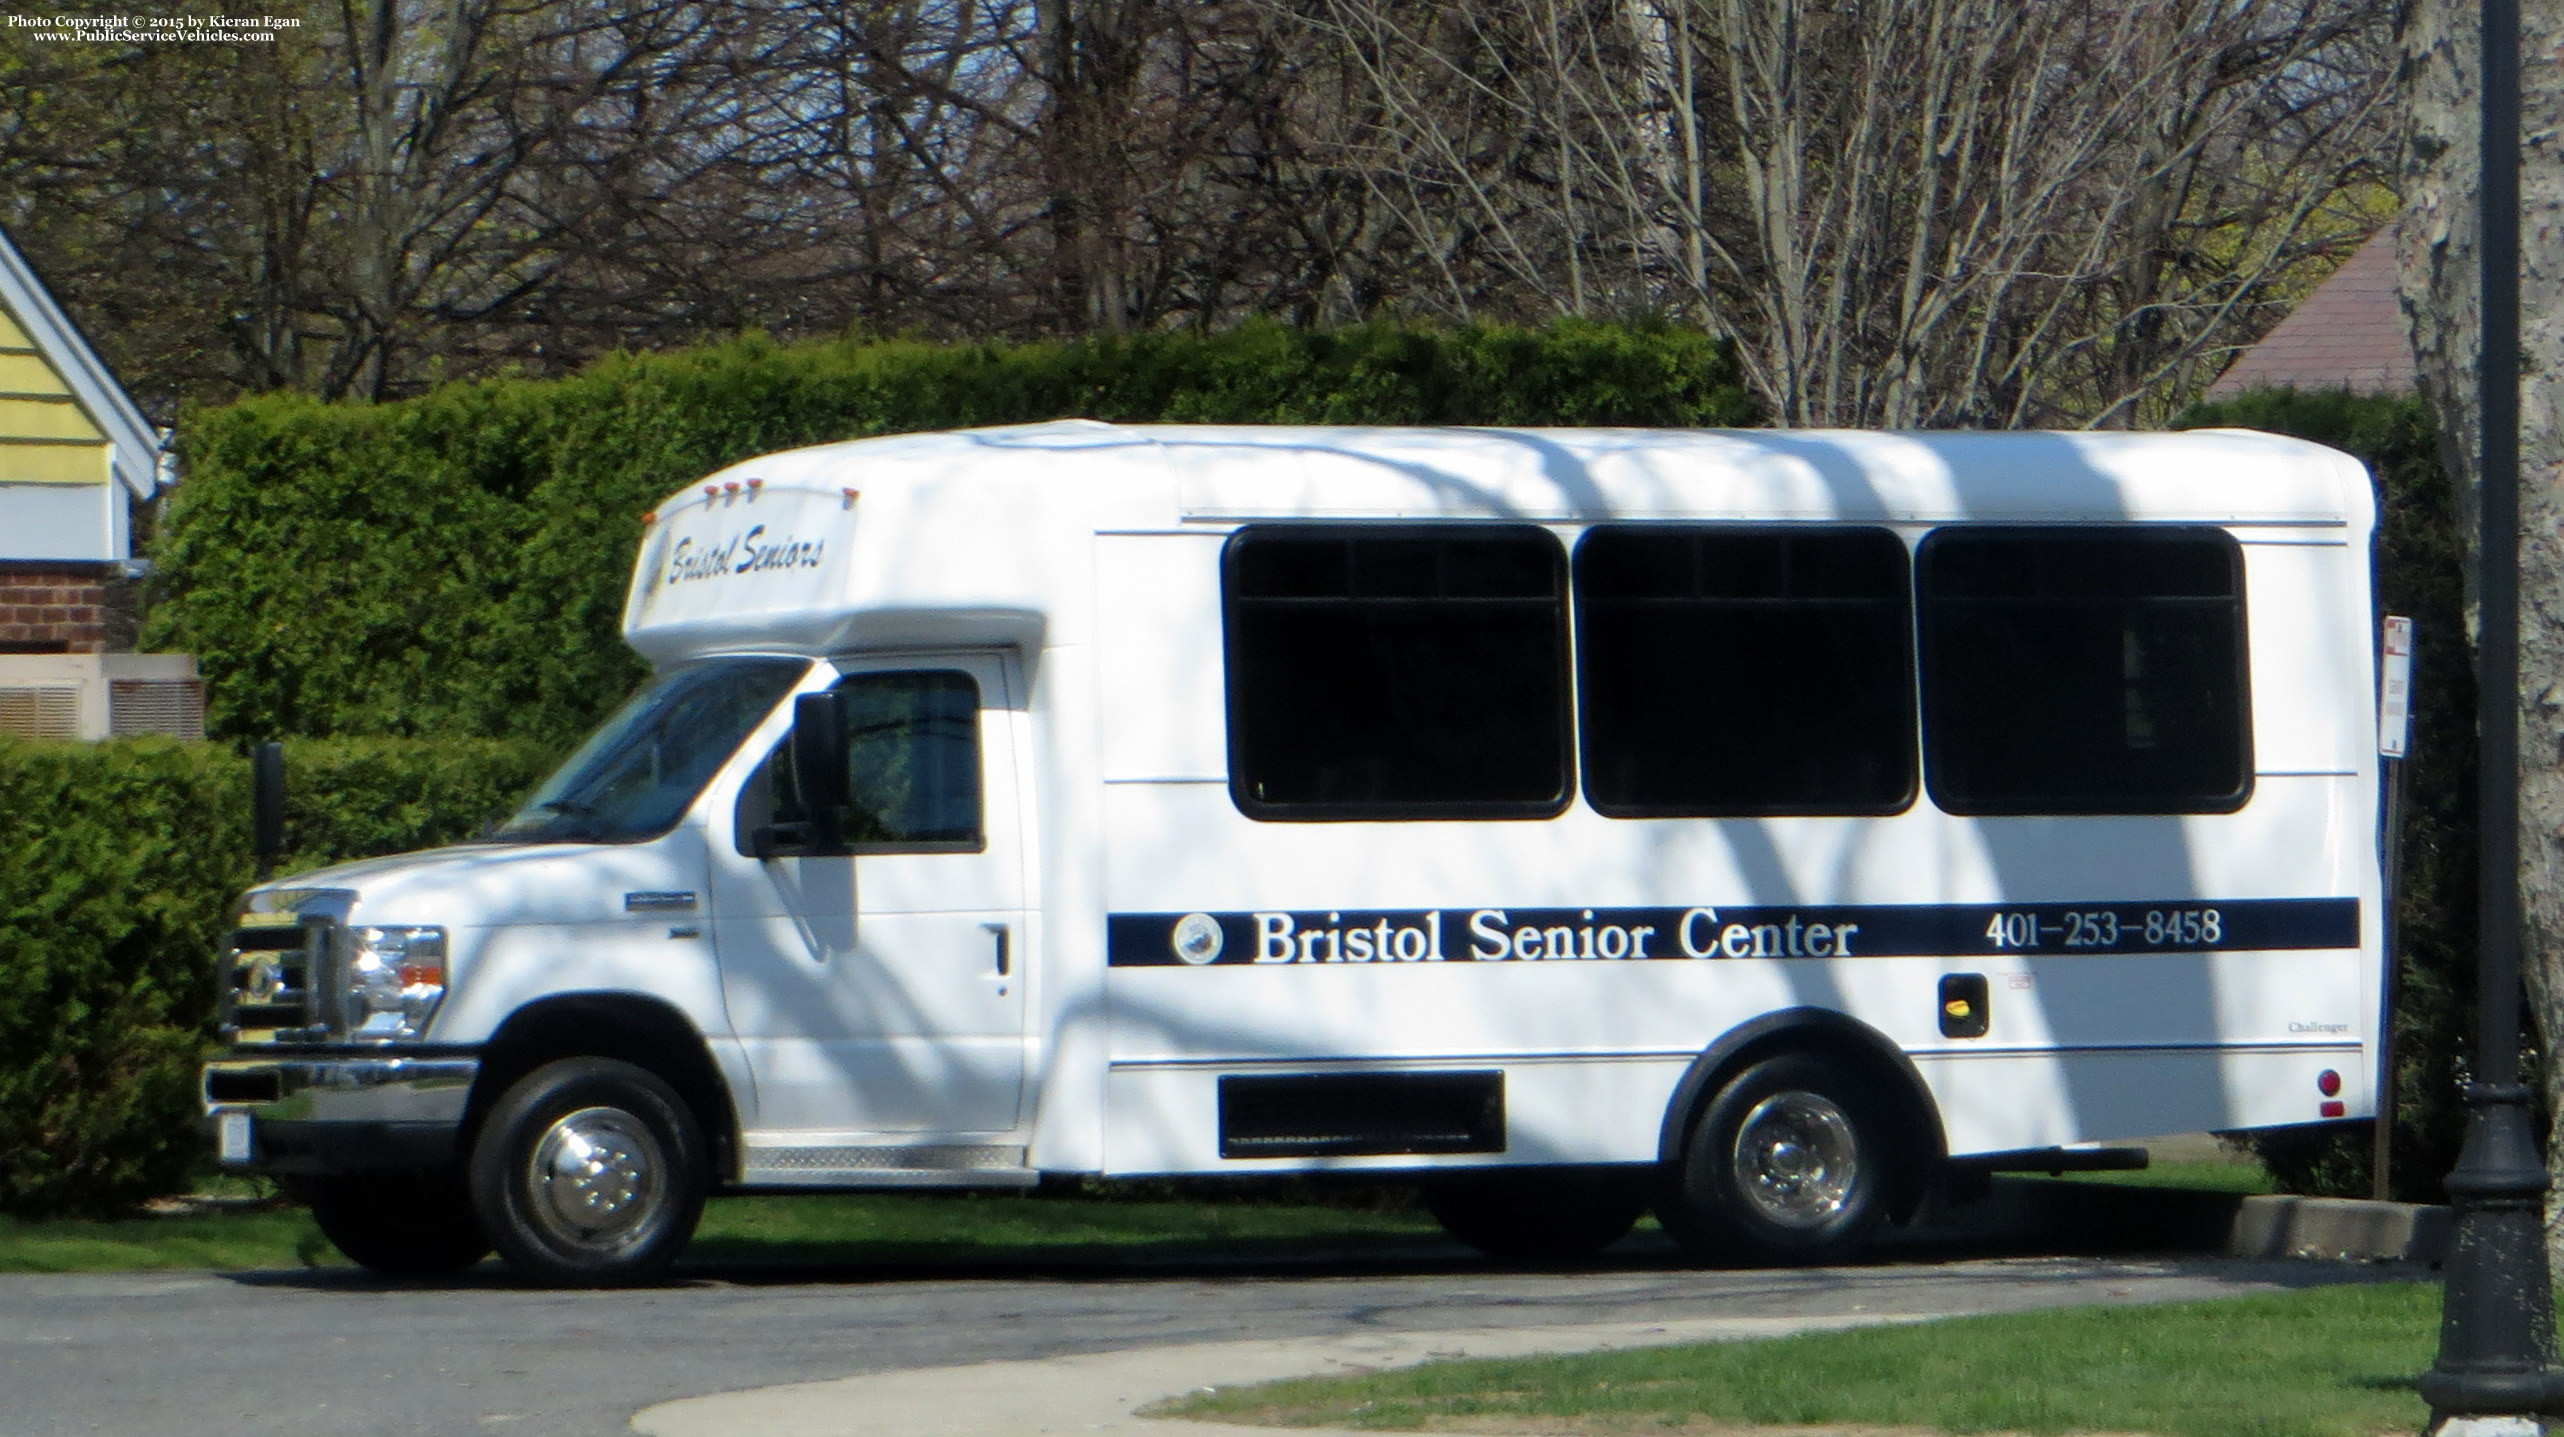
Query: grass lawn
pixel 2329 1362
pixel 848 1229
pixel 2238 1176
pixel 1008 1227
pixel 254 1238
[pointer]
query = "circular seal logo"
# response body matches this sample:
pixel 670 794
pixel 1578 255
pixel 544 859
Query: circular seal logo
pixel 1197 938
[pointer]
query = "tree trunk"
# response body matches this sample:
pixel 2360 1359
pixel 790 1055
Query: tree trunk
pixel 2439 262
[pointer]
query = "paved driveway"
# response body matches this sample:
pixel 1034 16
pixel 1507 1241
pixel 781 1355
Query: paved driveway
pixel 283 1354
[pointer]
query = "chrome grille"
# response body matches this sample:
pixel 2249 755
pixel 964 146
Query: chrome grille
pixel 273 974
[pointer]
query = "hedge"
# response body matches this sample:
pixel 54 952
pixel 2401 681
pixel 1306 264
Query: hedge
pixel 455 564
pixel 119 863
pixel 2419 545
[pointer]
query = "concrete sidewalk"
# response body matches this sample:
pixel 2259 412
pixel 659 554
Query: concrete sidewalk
pixel 1100 1394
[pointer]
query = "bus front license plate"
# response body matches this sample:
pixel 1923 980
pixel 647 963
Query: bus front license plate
pixel 232 1137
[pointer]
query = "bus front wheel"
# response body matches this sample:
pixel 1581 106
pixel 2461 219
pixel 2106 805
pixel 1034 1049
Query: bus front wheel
pixel 1787 1164
pixel 590 1173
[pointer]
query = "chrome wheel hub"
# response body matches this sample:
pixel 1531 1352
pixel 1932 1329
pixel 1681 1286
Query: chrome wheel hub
pixel 597 1176
pixel 1796 1159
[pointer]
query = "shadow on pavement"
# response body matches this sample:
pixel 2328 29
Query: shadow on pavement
pixel 2023 1219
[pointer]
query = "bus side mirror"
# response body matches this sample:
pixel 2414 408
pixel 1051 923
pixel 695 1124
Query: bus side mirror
pixel 820 785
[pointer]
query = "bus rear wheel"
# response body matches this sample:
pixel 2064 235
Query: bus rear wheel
pixel 1789 1164
pixel 1537 1216
pixel 590 1173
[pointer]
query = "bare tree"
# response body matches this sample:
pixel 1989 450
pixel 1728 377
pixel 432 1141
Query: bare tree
pixel 1910 213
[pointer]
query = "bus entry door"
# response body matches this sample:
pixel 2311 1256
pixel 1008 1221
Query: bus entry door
pixel 884 992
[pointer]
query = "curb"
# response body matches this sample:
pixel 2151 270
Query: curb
pixel 2341 1227
pixel 2108 1217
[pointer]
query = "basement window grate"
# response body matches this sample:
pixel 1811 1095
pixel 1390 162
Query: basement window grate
pixel 48 712
pixel 163 706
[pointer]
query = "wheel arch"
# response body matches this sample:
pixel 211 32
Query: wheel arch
pixel 647 1032
pixel 1836 1037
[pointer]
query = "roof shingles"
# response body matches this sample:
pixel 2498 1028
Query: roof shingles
pixel 2348 334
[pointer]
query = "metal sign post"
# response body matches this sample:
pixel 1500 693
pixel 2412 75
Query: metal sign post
pixel 2394 742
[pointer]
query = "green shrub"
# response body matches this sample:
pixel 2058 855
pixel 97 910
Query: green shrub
pixel 2419 546
pixel 119 863
pixel 455 564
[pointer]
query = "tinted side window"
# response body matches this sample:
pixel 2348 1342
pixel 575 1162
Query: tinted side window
pixel 912 758
pixel 1396 672
pixel 1744 671
pixel 2084 670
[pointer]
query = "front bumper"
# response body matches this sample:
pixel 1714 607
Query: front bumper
pixel 329 1113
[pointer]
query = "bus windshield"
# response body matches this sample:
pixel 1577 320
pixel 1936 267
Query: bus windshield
pixel 636 776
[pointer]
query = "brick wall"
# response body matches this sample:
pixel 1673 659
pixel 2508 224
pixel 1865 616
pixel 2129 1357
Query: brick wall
pixel 61 610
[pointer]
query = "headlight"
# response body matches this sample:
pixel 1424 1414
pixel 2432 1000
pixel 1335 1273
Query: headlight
pixel 395 979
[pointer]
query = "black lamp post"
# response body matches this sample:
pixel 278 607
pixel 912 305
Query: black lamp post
pixel 2497 1324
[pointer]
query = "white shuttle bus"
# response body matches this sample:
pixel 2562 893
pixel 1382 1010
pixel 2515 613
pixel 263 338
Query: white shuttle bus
pixel 1754 825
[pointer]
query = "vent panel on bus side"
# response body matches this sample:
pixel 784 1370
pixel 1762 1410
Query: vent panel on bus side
pixel 1361 1114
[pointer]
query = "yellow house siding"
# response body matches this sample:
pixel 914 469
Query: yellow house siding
pixel 45 436
pixel 46 419
pixel 29 374
pixel 39 463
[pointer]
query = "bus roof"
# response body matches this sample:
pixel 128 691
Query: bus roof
pixel 764 553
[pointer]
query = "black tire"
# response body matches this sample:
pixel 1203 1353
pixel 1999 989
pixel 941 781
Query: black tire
pixel 590 1173
pixel 1538 1216
pixel 400 1222
pixel 1792 1163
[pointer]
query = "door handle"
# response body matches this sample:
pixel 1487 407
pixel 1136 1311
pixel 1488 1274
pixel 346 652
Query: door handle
pixel 1004 964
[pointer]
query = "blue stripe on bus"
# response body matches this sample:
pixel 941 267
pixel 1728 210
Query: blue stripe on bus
pixel 1961 930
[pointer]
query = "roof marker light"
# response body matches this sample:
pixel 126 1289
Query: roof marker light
pixel 756 484
pixel 851 496
pixel 730 488
pixel 711 491
pixel 649 517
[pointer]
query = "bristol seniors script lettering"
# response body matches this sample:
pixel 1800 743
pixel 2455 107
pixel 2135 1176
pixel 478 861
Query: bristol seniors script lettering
pixel 746 553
